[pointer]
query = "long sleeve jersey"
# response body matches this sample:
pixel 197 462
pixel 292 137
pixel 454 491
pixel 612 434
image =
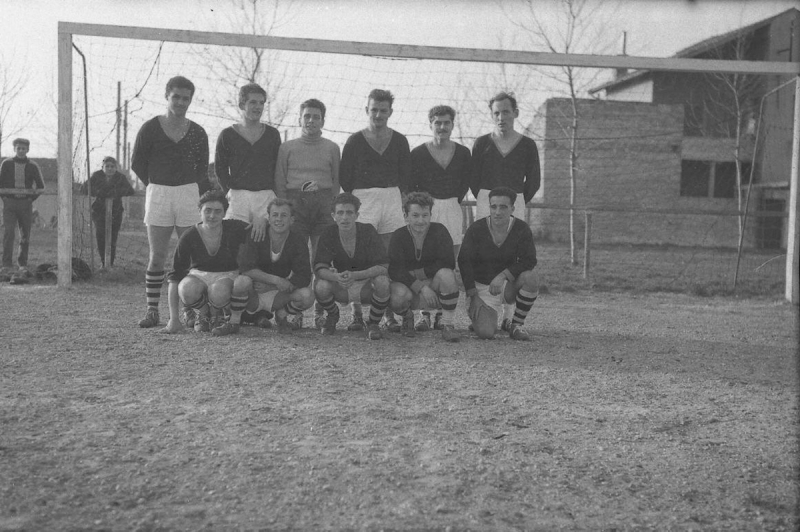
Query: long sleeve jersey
pixel 103 187
pixel 427 175
pixel 191 252
pixel 293 263
pixel 404 259
pixel 480 259
pixel 240 165
pixel 29 174
pixel 369 251
pixel 160 160
pixel 363 167
pixel 307 159
pixel 518 170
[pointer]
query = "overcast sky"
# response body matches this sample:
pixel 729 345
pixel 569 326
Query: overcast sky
pixel 28 40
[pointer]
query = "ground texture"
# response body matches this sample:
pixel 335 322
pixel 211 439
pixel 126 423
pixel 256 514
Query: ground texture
pixel 625 412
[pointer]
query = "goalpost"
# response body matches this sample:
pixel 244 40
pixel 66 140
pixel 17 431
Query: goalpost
pixel 342 71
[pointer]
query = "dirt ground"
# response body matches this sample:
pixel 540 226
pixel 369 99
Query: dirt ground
pixel 625 412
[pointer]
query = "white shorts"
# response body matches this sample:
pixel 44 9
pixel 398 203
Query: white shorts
pixel 382 208
pixel 494 301
pixel 266 300
pixel 448 213
pixel 212 277
pixel 482 205
pixel 247 204
pixel 171 206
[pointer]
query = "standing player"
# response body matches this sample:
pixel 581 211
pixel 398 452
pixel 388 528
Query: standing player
pixel 278 268
pixel 350 265
pixel 307 173
pixel 497 260
pixel 170 156
pixel 442 168
pixel 421 265
pixel 19 172
pixel 245 160
pixel 205 275
pixel 504 157
pixel 375 168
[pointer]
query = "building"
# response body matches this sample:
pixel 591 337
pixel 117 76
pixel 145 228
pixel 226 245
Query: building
pixel 685 141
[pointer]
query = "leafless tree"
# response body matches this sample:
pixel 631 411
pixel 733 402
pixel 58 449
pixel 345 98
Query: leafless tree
pixel 574 27
pixel 13 82
pixel 236 66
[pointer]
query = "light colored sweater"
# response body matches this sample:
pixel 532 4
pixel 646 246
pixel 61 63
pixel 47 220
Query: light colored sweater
pixel 307 159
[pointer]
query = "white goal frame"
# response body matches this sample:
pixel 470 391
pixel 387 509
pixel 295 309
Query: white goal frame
pixel 67 29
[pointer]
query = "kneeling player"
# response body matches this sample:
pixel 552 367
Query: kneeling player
pixel 350 266
pixel 277 269
pixel 421 265
pixel 205 276
pixel 497 259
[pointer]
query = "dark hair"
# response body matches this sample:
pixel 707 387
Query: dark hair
pixel 346 198
pixel 26 142
pixel 179 82
pixel 281 202
pixel 441 110
pixel 423 199
pixel 314 103
pixel 109 158
pixel 380 95
pixel 503 191
pixel 248 89
pixel 214 194
pixel 500 96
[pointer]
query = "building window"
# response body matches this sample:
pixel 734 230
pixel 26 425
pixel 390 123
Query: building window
pixel 695 176
pixel 725 180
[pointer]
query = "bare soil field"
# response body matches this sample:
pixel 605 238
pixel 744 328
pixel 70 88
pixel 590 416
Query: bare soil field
pixel 625 412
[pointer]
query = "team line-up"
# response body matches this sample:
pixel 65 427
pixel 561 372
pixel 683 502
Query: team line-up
pixel 392 239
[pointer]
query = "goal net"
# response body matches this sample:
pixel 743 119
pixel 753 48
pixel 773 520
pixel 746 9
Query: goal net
pixel 632 173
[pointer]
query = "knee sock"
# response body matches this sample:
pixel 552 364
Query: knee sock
pixel 238 304
pixel 377 308
pixel 448 302
pixel 329 306
pixel 152 287
pixel 292 308
pixel 523 305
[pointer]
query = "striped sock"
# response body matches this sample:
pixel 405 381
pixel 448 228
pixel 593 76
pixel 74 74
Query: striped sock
pixel 448 302
pixel 238 304
pixel 197 305
pixel 523 305
pixel 152 287
pixel 377 308
pixel 329 305
pixel 292 308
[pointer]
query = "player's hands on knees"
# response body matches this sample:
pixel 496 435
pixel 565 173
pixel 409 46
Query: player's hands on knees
pixel 496 286
pixel 428 297
pixel 346 279
pixel 284 285
pixel 174 326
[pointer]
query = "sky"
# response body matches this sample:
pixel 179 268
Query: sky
pixel 28 40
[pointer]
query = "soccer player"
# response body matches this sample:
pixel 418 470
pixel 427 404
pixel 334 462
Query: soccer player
pixel 351 264
pixel 421 265
pixel 170 156
pixel 245 159
pixel 307 173
pixel 19 172
pixel 504 157
pixel 375 168
pixel 278 269
pixel 497 260
pixel 442 168
pixel 205 275
pixel 108 183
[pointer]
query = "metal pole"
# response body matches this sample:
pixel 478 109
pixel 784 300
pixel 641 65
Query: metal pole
pixel 587 247
pixel 119 118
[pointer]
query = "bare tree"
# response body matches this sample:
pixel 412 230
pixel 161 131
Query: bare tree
pixel 12 84
pixel 236 66
pixel 579 27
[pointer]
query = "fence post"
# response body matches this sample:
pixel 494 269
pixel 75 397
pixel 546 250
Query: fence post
pixel 792 291
pixel 109 216
pixel 587 237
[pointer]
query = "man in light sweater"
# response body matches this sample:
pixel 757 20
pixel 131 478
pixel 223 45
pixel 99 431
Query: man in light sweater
pixel 307 173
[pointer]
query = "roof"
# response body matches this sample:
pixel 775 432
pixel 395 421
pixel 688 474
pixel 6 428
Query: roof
pixel 698 49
